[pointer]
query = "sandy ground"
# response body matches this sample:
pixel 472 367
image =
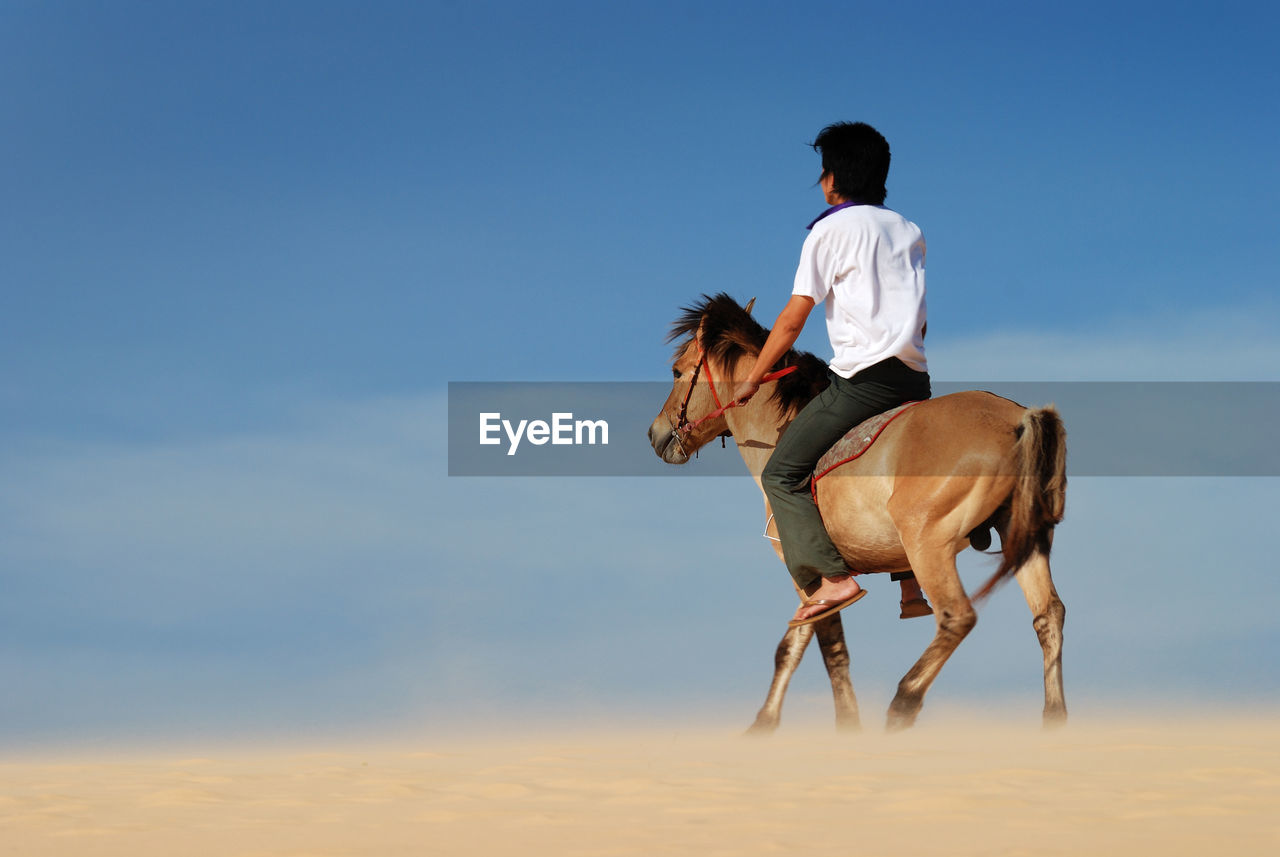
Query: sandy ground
pixel 1194 787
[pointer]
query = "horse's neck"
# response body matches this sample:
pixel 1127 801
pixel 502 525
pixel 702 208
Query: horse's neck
pixel 755 459
pixel 756 429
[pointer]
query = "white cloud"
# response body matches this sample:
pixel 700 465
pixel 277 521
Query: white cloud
pixel 351 480
pixel 1223 344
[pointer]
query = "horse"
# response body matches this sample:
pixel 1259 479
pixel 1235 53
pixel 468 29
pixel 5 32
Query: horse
pixel 939 478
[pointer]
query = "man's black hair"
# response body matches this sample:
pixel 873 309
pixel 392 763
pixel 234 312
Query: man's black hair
pixel 857 157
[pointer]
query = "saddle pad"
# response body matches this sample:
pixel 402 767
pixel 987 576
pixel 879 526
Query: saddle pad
pixel 857 441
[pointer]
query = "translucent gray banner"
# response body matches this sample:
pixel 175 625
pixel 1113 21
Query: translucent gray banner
pixel 1113 428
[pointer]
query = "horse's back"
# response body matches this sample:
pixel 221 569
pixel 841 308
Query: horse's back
pixel 966 433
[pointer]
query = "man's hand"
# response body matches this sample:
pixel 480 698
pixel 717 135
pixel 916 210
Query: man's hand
pixel 745 391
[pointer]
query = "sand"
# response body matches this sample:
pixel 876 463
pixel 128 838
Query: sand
pixel 1208 785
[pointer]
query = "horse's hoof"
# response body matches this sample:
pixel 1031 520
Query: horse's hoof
pixel 900 718
pixel 1055 719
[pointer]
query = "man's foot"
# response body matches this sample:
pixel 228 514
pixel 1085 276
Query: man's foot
pixel 833 595
pixel 913 603
pixel 915 607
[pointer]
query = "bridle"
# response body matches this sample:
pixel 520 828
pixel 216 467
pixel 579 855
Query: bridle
pixel 683 426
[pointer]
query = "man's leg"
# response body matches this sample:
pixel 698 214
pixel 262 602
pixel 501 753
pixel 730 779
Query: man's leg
pixel 806 547
pixel 813 560
pixel 913 603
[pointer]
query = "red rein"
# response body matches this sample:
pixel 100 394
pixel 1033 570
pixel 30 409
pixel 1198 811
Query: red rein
pixel 685 428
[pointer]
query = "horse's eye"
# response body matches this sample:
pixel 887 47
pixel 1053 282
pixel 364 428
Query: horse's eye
pixel 675 373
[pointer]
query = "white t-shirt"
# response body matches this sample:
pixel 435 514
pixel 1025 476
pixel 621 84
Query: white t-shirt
pixel 867 263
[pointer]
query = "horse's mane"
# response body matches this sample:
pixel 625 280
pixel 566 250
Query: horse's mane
pixel 729 333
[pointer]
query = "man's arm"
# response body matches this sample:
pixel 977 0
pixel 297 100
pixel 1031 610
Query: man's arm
pixel 786 330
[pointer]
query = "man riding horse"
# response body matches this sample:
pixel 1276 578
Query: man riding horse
pixel 866 262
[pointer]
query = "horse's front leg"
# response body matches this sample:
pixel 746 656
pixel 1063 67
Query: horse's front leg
pixel 785 660
pixel 835 654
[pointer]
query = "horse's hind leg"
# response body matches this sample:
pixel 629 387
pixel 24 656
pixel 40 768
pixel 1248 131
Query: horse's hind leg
pixel 835 655
pixel 785 660
pixel 1048 615
pixel 936 572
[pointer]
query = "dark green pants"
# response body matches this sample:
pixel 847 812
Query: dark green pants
pixel 806 547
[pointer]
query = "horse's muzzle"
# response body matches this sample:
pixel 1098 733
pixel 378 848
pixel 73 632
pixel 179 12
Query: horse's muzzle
pixel 666 443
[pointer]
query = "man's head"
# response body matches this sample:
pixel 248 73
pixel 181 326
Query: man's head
pixel 856 157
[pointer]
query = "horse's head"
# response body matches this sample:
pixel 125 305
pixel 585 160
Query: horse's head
pixel 711 337
pixel 685 425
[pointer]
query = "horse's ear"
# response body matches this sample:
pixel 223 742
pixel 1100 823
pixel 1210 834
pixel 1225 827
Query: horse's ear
pixel 750 304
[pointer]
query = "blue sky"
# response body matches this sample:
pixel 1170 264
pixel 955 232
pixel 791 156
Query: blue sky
pixel 245 246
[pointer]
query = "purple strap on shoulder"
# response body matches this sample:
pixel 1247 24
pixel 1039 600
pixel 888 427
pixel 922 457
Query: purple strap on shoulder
pixel 832 210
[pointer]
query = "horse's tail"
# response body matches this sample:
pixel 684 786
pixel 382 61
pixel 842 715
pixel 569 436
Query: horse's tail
pixel 1039 492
